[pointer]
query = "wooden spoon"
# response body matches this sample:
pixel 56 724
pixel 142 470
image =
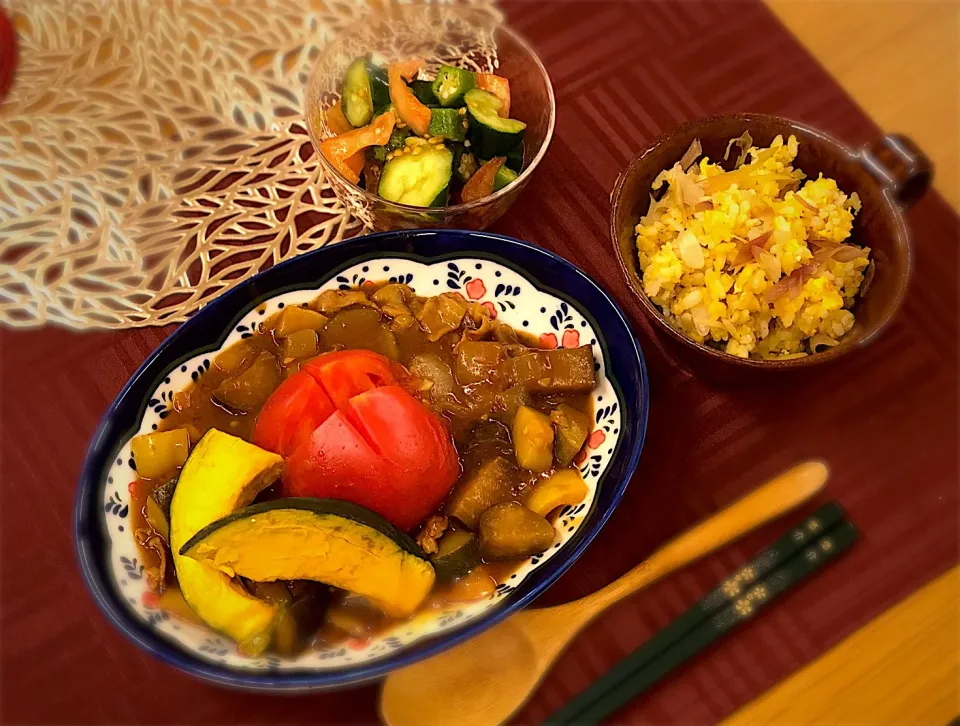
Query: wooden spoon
pixel 485 679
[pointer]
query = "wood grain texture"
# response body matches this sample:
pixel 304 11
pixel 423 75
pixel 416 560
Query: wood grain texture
pixel 899 60
pixel 487 678
pixel 904 668
pixel 886 421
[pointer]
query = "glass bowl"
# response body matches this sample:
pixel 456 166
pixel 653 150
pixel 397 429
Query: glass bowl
pixel 470 37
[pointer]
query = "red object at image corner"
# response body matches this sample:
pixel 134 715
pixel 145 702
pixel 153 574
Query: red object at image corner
pixel 8 53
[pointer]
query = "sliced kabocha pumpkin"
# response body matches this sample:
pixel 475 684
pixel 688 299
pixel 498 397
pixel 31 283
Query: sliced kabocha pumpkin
pixel 222 474
pixel 325 540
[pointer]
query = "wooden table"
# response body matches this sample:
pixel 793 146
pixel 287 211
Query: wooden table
pixel 910 653
pixel 624 72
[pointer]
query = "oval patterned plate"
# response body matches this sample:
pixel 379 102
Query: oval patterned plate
pixel 431 263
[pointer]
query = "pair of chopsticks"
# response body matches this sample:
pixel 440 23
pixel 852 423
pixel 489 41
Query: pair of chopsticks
pixel 799 553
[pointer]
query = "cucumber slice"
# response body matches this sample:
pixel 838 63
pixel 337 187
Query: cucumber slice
pixel 505 175
pixel 491 135
pixel 357 99
pixel 364 89
pixel 379 88
pixel 447 123
pixel 515 158
pixel 419 179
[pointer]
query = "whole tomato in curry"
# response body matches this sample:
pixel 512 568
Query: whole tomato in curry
pixel 349 431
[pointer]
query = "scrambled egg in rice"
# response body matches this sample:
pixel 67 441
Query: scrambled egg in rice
pixel 752 261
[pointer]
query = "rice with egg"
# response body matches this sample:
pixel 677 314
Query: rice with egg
pixel 752 261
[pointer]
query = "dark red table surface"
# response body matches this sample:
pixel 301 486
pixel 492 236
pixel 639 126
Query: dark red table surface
pixel 887 420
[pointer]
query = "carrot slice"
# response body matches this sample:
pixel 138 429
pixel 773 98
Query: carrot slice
pixel 411 111
pixel 499 87
pixel 336 121
pixel 340 149
pixel 355 163
pixel 481 183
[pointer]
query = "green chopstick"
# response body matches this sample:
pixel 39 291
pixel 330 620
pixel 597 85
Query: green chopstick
pixel 759 567
pixel 794 556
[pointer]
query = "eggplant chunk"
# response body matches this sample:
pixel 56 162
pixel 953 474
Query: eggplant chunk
pixel 508 402
pixel 360 328
pixel 299 345
pixel 573 427
pixel 237 357
pixel 441 315
pixel 566 370
pixel 248 389
pixel 510 531
pixel 477 492
pixel 300 616
pixel 393 294
pixel 533 439
pixel 477 361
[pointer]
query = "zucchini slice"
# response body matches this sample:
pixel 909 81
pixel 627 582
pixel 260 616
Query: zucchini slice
pixel 364 91
pixel 420 179
pixel 491 135
pixel 573 427
pixel 222 474
pixel 457 555
pixel 325 540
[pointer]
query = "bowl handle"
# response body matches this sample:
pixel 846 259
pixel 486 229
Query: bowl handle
pixel 899 165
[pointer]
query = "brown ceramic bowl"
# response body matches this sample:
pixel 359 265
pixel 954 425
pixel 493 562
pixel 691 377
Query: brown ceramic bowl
pixel 888 176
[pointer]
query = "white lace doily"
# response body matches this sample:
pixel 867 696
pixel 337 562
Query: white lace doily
pixel 151 154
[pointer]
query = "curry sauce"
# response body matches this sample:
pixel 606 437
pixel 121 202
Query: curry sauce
pixel 516 415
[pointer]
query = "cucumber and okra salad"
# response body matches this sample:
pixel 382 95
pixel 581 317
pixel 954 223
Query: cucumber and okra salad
pixel 420 142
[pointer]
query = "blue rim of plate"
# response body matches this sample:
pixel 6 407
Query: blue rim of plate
pixel 621 359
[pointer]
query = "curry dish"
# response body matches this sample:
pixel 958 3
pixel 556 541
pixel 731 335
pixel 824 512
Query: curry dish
pixel 355 460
